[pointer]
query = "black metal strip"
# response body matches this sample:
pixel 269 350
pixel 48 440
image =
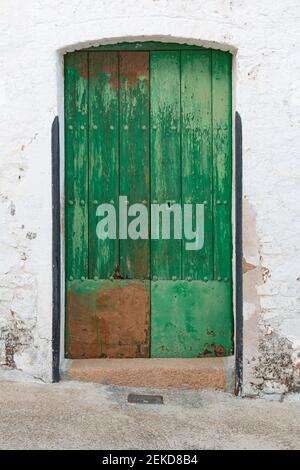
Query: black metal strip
pixel 56 278
pixel 239 253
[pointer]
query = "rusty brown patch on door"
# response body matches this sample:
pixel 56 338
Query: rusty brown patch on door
pixel 103 66
pixel 134 67
pixel 108 319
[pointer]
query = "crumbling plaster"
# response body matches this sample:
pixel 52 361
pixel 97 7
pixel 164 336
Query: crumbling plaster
pixel 264 36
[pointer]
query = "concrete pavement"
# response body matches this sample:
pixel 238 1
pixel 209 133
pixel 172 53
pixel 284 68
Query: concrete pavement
pixel 74 415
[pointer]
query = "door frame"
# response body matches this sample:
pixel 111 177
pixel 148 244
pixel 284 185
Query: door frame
pixel 58 217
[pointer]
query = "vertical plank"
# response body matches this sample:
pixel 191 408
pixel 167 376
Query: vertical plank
pixel 196 155
pixel 165 153
pixel 103 156
pixel 222 164
pixel 134 153
pixel 76 166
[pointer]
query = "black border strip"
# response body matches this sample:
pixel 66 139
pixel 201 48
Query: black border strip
pixel 239 253
pixel 56 276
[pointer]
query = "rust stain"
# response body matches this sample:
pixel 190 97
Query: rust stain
pixel 109 322
pixel 247 266
pixel 81 327
pixel 104 63
pixel 83 70
pixel 212 349
pixel 117 274
pixel 134 66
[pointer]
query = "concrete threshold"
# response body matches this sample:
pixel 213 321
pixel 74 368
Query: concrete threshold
pixel 202 373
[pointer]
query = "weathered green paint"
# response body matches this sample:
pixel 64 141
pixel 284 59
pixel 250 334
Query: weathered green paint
pixel 197 154
pixel 165 153
pixel 191 319
pixel 76 168
pixel 134 153
pixel 152 123
pixel 222 164
pixel 103 156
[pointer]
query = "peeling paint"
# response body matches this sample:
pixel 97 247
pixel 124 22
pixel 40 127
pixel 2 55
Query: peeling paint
pixel 12 209
pixel 247 266
pixel 271 365
pixel 212 349
pixel 15 335
pixel 133 66
pixel 31 235
pixel 275 366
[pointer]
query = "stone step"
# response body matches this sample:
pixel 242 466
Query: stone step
pixel 202 373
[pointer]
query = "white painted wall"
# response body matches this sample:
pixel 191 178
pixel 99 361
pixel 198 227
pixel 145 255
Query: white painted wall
pixel 264 35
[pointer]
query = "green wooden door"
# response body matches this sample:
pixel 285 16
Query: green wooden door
pixel 152 124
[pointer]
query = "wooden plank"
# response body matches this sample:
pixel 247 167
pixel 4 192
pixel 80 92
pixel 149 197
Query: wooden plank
pixel 222 164
pixel 165 154
pixel 76 166
pixel 196 156
pixel 191 319
pixel 134 153
pixel 104 157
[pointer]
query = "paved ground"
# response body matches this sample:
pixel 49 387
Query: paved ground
pixel 73 415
